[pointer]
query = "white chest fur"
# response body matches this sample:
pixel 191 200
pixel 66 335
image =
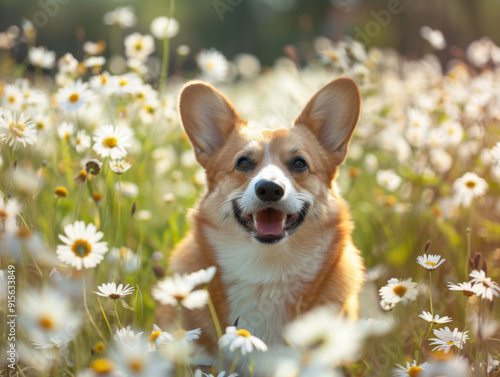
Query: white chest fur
pixel 263 280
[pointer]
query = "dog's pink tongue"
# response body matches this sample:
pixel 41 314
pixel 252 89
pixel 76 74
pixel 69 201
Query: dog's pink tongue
pixel 269 222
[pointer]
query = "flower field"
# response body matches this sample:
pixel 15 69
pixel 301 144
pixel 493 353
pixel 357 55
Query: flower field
pixel 97 178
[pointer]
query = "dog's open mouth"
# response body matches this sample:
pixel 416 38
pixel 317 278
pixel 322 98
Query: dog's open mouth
pixel 270 225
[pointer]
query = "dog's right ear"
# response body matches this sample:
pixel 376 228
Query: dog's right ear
pixel 207 117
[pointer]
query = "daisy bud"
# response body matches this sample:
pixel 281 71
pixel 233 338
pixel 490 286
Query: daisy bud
pixel 427 246
pixel 97 196
pixel 485 268
pixel 44 163
pixel 159 271
pixel 99 347
pixel 477 259
pixel 134 208
pixel 80 177
pixel 93 167
pixel 471 263
pixel 61 192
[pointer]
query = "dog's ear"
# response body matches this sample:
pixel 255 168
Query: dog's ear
pixel 331 115
pixel 207 117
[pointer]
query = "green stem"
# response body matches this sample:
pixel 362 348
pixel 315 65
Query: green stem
pixel 164 66
pixel 218 329
pixel 233 365
pixel 117 316
pixel 104 315
pixel 424 338
pixel 80 194
pixel 465 327
pixel 430 293
pixel 166 54
pixel 87 311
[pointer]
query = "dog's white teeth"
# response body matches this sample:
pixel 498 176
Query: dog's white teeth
pixel 254 216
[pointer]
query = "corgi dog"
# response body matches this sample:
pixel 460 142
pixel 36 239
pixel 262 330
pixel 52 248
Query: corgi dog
pixel 270 220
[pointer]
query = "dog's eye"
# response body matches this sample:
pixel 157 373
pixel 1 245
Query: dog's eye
pixel 244 163
pixel 298 164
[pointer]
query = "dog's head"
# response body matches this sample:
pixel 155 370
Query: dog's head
pixel 270 183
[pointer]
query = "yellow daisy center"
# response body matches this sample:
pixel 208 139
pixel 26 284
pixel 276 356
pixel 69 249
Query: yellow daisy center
pixel 104 79
pixel 209 66
pixel 61 191
pixel 414 371
pixel 46 322
pixel 100 347
pixel 136 365
pixel 110 142
pixel 23 233
pixel 470 184
pixel 123 82
pixel 331 55
pixel 102 366
pixel 12 99
pixel 244 333
pixel 430 263
pixel 138 46
pixel 179 334
pixel 17 129
pixel 154 335
pixel 450 343
pixel 81 248
pixel 74 98
pixel 400 290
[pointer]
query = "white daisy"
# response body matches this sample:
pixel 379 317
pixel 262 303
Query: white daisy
pixel 468 187
pixel 203 276
pixel 325 337
pixel 430 262
pixel 82 141
pixel 155 338
pixel 495 153
pixel 16 131
pixel 213 65
pixel 387 305
pixel 164 27
pixel 128 189
pixel 484 287
pixel 242 340
pixel 132 359
pixel 111 141
pixel 454 132
pixel 127 336
pixel 128 83
pixel 47 315
pixel 112 291
pixel 52 343
pixel 199 373
pixel 41 57
pixel 436 319
pixel 124 17
pixel 388 179
pixel 434 37
pixel 178 290
pixel 466 288
pixel 180 337
pixel 447 339
pixel 81 247
pixel 418 119
pixel 119 166
pixel 126 256
pixel 95 62
pixel 138 46
pixel 412 370
pixel 399 291
pixel 66 130
pixel 74 96
pixel 12 98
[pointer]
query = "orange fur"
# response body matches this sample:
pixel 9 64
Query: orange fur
pixel 219 136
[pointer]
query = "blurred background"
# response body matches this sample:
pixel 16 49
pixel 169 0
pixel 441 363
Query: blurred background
pixel 263 27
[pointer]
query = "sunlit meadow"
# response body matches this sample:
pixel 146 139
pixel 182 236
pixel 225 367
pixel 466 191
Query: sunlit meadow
pixel 97 176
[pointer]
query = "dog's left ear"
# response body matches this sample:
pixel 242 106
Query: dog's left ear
pixel 331 115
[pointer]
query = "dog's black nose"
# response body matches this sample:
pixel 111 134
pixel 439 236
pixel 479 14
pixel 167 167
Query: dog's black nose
pixel 269 191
